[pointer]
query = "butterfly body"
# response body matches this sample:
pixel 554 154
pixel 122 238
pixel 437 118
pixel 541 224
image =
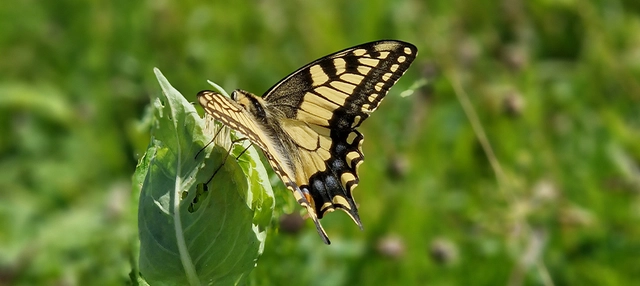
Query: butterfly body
pixel 306 124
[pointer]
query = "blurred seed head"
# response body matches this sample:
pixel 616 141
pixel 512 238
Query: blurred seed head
pixel 469 50
pixel 430 71
pixel 397 167
pixel 443 251
pixel 291 223
pixel 391 246
pixel 545 191
pixel 513 103
pixel 515 57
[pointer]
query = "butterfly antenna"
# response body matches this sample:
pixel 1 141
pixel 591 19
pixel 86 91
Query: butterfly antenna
pixel 205 146
pixel 225 158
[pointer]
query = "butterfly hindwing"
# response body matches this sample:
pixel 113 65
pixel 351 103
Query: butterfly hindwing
pixel 326 166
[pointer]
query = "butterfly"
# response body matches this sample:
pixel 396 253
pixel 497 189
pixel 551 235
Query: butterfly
pixel 307 123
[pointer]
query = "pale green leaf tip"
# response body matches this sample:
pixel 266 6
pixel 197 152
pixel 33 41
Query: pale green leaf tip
pixel 415 86
pixel 218 88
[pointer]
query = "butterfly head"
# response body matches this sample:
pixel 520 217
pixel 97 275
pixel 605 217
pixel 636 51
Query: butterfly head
pixel 250 103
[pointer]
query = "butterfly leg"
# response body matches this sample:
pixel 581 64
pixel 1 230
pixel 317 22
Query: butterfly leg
pixel 227 156
pixel 205 146
pixel 245 150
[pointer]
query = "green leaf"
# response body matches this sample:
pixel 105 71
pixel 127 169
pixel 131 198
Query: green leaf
pixel 191 233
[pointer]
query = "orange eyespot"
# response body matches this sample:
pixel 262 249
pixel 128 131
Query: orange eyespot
pixel 309 198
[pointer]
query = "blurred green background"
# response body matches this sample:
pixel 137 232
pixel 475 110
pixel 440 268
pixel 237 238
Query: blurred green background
pixel 518 162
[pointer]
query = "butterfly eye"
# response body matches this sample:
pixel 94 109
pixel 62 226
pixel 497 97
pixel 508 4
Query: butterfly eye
pixel 234 95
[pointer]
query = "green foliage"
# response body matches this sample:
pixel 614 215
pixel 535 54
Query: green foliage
pixel 192 233
pixel 553 84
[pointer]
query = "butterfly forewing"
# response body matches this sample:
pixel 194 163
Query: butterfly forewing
pixel 352 81
pixel 309 131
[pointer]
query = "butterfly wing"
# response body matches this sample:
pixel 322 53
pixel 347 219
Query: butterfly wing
pixel 309 135
pixel 322 104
